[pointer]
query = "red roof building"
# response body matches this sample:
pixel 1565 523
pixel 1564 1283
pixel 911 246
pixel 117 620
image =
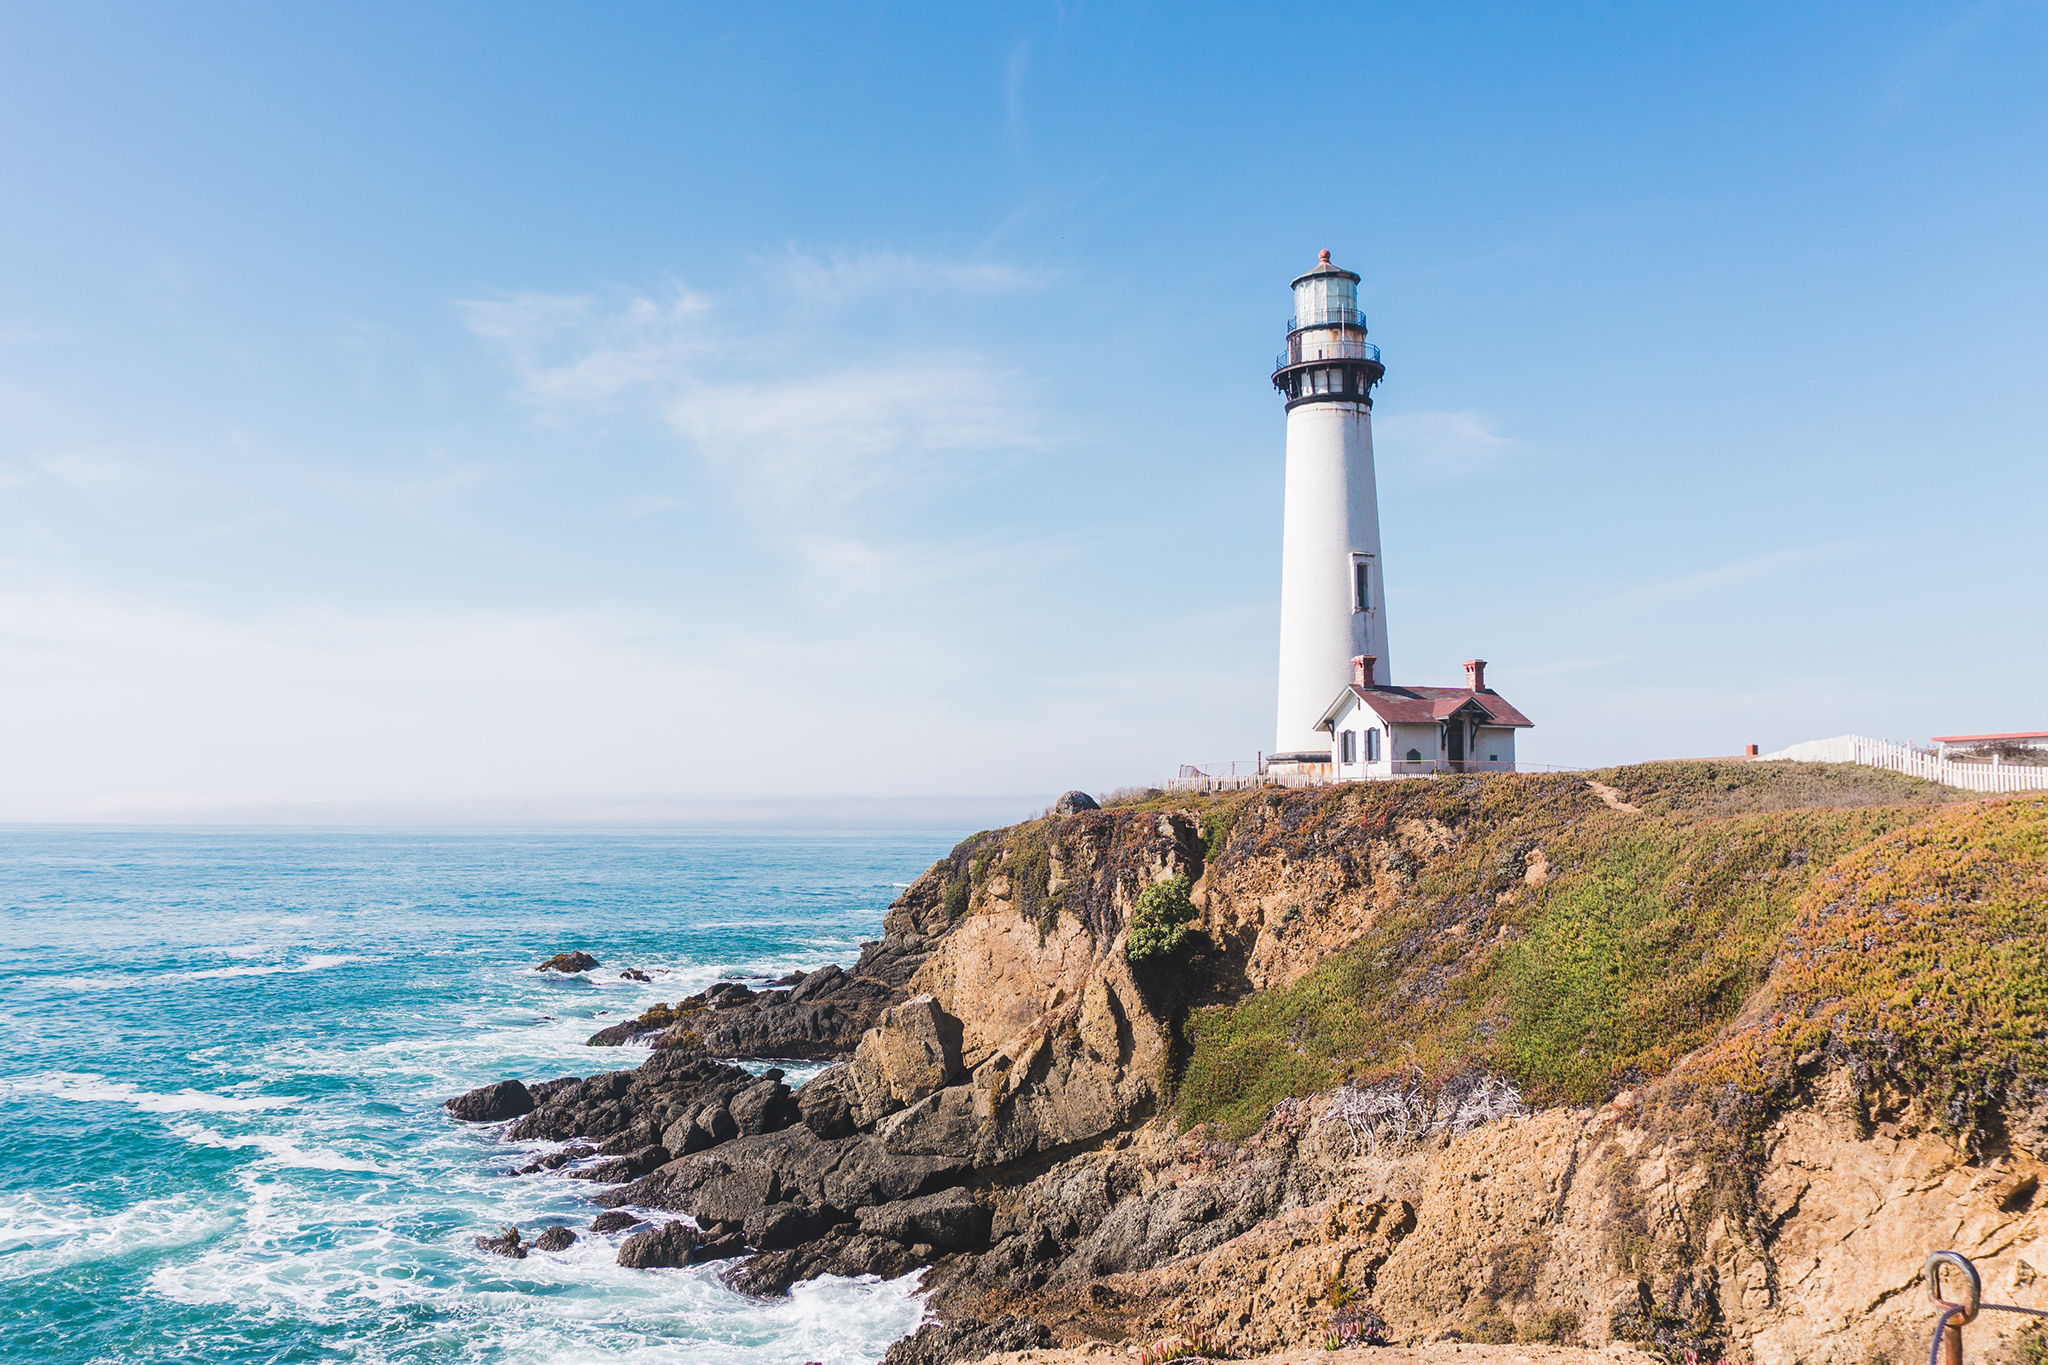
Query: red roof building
pixel 1379 731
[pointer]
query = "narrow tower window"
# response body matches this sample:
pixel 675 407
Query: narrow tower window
pixel 1361 585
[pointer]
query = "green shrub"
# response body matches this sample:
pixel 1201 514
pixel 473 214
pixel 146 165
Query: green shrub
pixel 1159 921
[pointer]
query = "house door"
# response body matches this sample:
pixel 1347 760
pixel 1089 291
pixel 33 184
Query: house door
pixel 1454 744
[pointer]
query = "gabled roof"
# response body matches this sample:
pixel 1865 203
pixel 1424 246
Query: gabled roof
pixel 1983 739
pixel 1423 705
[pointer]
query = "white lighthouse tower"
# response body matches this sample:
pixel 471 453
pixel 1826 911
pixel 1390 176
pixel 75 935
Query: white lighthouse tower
pixel 1332 599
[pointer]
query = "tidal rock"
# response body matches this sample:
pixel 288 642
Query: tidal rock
pixel 1073 803
pixel 841 1251
pixel 951 1220
pixel 633 974
pixel 616 1220
pixel 620 1169
pixel 945 1343
pixel 730 1181
pixel 492 1103
pixel 554 1239
pixel 657 1248
pixel 568 962
pixel 668 1086
pixel 506 1243
pixel 555 1161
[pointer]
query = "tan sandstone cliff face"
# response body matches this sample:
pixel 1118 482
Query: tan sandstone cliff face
pixel 1585 1214
pixel 1056 1042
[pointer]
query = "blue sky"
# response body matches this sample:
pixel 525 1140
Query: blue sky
pixel 615 413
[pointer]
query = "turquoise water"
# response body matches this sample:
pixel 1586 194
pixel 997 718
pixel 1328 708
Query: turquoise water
pixel 227 1052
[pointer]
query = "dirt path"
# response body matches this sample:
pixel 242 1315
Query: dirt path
pixel 1612 796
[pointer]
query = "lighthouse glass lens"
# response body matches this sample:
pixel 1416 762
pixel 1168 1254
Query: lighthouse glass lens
pixel 1324 299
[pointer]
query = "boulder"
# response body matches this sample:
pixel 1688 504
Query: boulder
pixel 1073 803
pixel 765 1106
pixel 951 1220
pixel 615 1220
pixel 946 1343
pixel 826 1102
pixel 554 1239
pixel 568 962
pixel 633 974
pixel 664 1247
pixel 913 1052
pixel 492 1103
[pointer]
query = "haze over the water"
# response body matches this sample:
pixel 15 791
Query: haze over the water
pixel 539 414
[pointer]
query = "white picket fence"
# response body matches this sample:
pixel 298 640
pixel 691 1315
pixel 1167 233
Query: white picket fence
pixel 1904 758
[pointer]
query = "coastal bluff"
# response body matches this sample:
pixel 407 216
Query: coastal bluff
pixel 1685 1057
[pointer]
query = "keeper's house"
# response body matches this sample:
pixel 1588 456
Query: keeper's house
pixel 1379 730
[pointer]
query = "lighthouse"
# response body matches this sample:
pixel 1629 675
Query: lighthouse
pixel 1332 576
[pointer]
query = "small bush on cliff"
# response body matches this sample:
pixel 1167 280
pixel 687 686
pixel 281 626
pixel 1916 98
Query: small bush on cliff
pixel 1159 921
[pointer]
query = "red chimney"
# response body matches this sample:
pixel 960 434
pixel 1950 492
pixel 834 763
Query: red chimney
pixel 1361 669
pixel 1475 674
pixel 1752 752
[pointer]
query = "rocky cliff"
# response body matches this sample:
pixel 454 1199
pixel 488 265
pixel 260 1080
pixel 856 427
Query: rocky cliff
pixel 1697 1057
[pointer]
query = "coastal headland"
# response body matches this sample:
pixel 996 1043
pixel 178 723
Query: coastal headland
pixel 1676 1058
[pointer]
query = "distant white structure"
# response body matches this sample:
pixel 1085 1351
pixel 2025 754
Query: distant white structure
pixel 1332 603
pixel 1986 748
pixel 1923 763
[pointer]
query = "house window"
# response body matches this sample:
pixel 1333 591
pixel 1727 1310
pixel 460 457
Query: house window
pixel 1415 755
pixel 1372 746
pixel 1361 585
pixel 1347 747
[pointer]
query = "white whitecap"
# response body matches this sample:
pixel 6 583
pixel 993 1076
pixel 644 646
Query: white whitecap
pixel 311 964
pixel 81 1087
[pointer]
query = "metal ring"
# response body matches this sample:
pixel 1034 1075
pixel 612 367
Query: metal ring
pixel 1971 1281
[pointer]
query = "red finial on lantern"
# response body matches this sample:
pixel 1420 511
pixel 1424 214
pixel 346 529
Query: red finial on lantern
pixel 1324 256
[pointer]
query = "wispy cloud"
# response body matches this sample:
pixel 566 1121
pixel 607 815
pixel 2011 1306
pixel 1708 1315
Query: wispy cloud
pixel 1727 575
pixel 838 277
pixel 1441 445
pixel 820 436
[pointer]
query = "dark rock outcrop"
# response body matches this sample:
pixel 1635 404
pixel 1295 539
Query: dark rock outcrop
pixel 670 1086
pixel 671 1244
pixel 634 974
pixel 776 1227
pixel 951 1221
pixel 568 962
pixel 619 1169
pixel 554 1239
pixel 1073 803
pixel 732 1180
pixel 810 1016
pixel 946 1343
pixel 841 1251
pixel 616 1220
pixel 492 1103
pixel 555 1161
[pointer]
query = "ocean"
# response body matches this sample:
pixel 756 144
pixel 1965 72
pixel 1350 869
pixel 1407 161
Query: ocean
pixel 227 1052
